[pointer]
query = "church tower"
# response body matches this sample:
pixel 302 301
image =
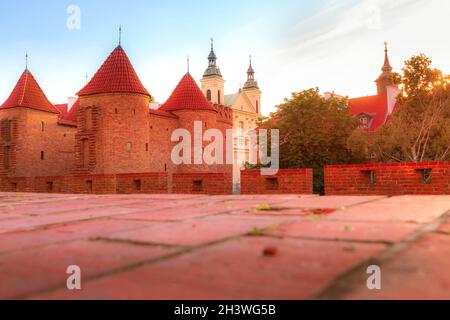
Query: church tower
pixel 212 82
pixel 385 79
pixel 251 89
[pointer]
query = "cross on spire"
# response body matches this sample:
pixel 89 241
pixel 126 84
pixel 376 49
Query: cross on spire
pixel 26 61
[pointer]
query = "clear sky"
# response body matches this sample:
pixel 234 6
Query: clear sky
pixel 336 45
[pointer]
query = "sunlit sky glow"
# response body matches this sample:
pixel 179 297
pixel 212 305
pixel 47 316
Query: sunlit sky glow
pixel 336 45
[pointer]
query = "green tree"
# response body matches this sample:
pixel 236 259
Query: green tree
pixel 313 132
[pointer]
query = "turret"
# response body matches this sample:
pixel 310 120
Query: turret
pixel 212 82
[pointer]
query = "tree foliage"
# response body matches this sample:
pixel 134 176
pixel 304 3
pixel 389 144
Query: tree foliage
pixel 313 132
pixel 420 129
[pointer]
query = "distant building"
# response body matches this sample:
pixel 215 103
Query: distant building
pixel 245 104
pixel 375 111
pixel 110 128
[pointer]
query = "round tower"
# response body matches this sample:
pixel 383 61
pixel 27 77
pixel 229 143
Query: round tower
pixel 196 115
pixel 113 120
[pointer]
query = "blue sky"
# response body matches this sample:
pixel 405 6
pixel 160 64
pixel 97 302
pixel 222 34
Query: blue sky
pixel 333 44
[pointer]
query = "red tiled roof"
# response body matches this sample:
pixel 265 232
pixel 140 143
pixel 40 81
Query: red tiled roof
pixel 71 116
pixel 62 108
pixel 187 95
pixel 162 113
pixel 374 106
pixel 116 75
pixel 27 93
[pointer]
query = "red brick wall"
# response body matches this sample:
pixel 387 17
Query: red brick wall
pixel 387 179
pixel 202 183
pixel 97 184
pixel 115 121
pixel 287 181
pixel 26 140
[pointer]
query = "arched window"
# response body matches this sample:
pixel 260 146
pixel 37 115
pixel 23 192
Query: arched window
pixel 208 95
pixel 257 106
pixel 218 97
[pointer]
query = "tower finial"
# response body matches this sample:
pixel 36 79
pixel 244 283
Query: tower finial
pixel 212 44
pixel 26 61
pixel 250 56
pixel 86 78
pixel 188 64
pixel 120 35
pixel 387 65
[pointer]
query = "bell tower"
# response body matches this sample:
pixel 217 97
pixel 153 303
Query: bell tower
pixel 212 82
pixel 252 90
pixel 385 79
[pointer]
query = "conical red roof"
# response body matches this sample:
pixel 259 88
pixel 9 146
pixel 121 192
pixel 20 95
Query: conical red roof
pixel 27 93
pixel 187 95
pixel 116 75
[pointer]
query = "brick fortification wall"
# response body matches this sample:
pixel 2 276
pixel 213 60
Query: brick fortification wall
pixel 98 184
pixel 388 179
pixel 202 183
pixel 288 181
pixel 134 183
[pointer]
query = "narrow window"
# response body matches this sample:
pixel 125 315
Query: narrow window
pixel 134 112
pixel 42 126
pixel 426 175
pixel 129 146
pixel 146 147
pixel 241 128
pixel 218 98
pixel 42 155
pixel 137 185
pixel 116 111
pixel 88 119
pixel 370 176
pixel 165 167
pixel 257 106
pixel 89 187
pixel 49 188
pixel 197 185
pixel 208 95
pixel 272 184
pixel 6 157
pixel 84 153
pixel 14 187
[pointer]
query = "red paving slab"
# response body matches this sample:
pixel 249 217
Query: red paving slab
pixel 65 232
pixel 200 247
pixel 236 269
pixel 198 231
pixel 420 272
pixel 345 231
pixel 32 271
